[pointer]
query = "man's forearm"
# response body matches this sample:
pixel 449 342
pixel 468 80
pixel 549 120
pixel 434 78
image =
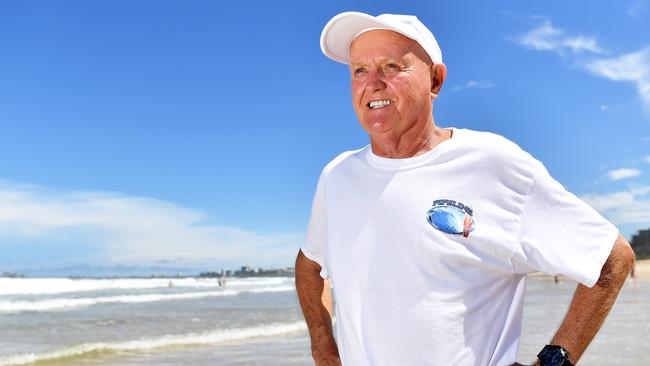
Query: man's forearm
pixel 316 303
pixel 590 306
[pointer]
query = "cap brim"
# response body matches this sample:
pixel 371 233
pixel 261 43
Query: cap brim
pixel 340 31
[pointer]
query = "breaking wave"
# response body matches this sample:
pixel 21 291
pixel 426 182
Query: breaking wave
pixel 53 286
pixel 72 303
pixel 191 339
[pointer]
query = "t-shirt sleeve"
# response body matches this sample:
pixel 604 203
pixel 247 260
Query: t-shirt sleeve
pixel 561 234
pixel 316 236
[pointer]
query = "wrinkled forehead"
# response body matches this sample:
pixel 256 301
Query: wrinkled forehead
pixel 385 43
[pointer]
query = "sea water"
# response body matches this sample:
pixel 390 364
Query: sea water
pixel 251 321
pixel 111 321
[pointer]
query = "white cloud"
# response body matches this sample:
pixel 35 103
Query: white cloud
pixel 640 190
pixel 610 201
pixel 618 174
pixel 128 230
pixel 631 67
pixel 636 8
pixel 482 84
pixel 647 159
pixel 475 84
pixel 621 208
pixel 546 37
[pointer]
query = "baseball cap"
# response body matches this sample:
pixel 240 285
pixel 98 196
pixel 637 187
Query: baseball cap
pixel 344 28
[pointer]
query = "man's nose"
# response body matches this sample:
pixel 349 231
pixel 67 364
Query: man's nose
pixel 376 81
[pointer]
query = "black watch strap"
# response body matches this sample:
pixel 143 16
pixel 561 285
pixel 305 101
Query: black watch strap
pixel 552 355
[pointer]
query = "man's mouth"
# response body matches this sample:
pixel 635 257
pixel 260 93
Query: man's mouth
pixel 376 104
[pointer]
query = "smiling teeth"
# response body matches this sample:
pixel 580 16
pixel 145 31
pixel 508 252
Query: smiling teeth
pixel 378 104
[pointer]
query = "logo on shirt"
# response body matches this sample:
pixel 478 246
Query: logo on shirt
pixel 451 217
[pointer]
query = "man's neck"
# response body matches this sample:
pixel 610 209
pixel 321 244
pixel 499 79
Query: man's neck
pixel 416 141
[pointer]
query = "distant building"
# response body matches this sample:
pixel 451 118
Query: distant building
pixel 247 271
pixel 13 275
pixel 641 244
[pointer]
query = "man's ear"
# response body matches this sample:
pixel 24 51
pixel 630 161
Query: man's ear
pixel 438 75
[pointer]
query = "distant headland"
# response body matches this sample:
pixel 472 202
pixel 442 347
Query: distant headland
pixel 243 272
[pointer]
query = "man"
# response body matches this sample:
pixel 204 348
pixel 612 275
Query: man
pixel 427 234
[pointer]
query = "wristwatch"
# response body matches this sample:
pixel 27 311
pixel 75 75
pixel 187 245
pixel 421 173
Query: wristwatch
pixel 554 356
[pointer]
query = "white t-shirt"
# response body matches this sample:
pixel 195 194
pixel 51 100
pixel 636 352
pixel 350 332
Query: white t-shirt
pixel 409 287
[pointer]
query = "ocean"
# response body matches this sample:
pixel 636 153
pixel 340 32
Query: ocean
pixel 250 321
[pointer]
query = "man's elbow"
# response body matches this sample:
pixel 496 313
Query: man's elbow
pixel 626 253
pixel 618 264
pixel 305 267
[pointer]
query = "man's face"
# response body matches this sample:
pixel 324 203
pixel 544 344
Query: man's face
pixel 391 83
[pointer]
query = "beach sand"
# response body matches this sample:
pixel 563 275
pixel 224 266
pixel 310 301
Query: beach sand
pixel 642 268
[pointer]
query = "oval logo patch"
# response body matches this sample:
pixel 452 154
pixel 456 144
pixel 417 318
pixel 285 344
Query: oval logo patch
pixel 451 217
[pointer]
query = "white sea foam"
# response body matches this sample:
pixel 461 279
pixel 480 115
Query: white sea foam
pixel 71 303
pixel 53 286
pixel 192 339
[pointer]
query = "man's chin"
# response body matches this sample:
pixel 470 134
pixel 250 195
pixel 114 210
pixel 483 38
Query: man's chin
pixel 377 128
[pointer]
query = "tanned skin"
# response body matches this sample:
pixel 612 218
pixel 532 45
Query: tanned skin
pixel 316 303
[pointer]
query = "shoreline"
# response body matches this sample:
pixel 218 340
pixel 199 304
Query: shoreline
pixel 641 270
pixel 151 277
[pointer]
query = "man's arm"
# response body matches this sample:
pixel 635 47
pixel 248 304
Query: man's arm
pixel 590 306
pixel 316 304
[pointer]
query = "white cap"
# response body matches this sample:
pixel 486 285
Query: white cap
pixel 344 28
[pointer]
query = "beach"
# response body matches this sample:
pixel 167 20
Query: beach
pixel 251 321
pixel 642 268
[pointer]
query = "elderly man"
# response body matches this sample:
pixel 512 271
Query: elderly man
pixel 427 234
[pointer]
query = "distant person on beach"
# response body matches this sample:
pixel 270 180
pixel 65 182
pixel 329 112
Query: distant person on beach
pixel 427 234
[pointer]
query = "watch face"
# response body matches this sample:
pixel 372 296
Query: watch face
pixel 552 356
pixel 556 358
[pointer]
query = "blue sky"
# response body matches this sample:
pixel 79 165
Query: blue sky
pixel 190 134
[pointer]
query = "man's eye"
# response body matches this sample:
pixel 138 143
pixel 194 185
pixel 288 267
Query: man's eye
pixel 391 68
pixel 359 71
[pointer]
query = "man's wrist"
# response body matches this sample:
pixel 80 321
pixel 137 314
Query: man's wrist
pixel 326 356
